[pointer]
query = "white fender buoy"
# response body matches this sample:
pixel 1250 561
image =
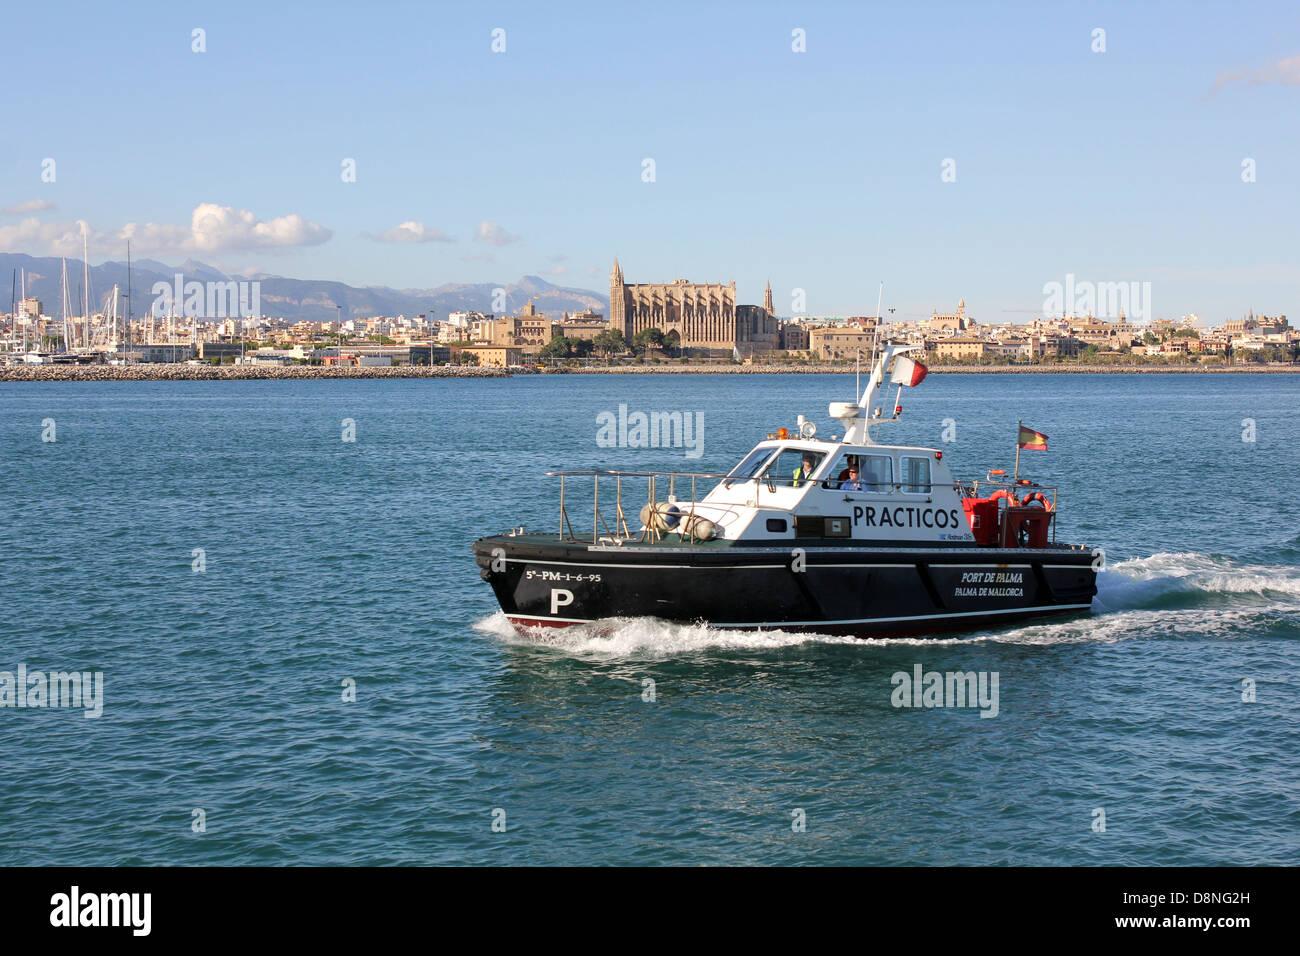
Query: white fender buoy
pixel 698 527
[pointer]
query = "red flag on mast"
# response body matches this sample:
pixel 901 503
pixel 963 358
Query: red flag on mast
pixel 907 372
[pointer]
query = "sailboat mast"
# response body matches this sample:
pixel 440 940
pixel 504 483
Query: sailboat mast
pixel 85 264
pixel 63 301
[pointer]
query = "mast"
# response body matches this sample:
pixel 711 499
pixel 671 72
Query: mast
pixel 24 303
pixel 858 417
pixel 63 302
pixel 85 264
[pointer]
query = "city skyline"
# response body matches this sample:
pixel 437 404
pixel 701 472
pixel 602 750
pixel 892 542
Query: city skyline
pixel 821 169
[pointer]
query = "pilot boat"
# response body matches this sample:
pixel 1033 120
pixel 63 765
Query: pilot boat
pixel 844 537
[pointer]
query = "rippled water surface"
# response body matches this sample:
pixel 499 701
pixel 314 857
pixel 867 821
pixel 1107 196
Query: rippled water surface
pixel 328 561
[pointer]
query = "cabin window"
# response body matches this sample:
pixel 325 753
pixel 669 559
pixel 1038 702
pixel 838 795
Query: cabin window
pixel 788 469
pixel 748 469
pixel 916 476
pixel 776 525
pixel 875 474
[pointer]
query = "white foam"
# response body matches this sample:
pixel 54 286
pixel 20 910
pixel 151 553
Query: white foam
pixel 1138 579
pixel 619 637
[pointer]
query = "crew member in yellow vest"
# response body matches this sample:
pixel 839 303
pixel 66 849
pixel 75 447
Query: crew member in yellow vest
pixel 804 471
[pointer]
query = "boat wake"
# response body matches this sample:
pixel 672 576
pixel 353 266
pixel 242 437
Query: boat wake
pixel 1164 595
pixel 621 637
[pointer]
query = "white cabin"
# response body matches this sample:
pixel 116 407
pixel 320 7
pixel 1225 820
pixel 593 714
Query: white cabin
pixel 902 493
pixel 907 494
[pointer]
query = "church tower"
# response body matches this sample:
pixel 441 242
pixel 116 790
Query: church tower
pixel 767 298
pixel 617 299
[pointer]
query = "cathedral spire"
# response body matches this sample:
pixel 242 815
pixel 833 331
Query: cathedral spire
pixel 616 274
pixel 767 299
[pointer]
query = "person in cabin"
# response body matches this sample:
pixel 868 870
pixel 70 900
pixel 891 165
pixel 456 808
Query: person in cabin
pixel 805 470
pixel 854 483
pixel 843 476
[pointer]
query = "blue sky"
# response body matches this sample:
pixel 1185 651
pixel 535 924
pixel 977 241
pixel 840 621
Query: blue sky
pixel 819 170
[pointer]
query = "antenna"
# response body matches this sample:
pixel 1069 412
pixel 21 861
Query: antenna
pixel 875 338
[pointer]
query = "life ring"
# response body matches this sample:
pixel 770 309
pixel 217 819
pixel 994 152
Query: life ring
pixel 1040 498
pixel 1003 493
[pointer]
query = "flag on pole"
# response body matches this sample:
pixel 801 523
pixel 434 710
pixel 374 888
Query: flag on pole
pixel 907 372
pixel 1031 440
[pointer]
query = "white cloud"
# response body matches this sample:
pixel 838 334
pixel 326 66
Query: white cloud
pixel 212 228
pixel 494 233
pixel 411 231
pixel 44 238
pixel 1285 71
pixel 29 207
pixel 557 271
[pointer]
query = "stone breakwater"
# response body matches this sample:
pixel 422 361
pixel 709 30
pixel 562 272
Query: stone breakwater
pixel 211 373
pixel 226 373
pixel 935 369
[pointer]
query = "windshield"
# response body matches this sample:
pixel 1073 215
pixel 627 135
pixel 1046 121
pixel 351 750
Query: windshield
pixel 793 467
pixel 750 467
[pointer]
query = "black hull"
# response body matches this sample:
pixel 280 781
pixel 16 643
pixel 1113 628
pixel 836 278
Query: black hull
pixel 836 589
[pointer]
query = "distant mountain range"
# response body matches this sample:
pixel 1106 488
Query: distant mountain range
pixel 311 300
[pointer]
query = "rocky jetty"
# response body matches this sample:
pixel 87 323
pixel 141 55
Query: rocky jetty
pixel 667 369
pixel 212 373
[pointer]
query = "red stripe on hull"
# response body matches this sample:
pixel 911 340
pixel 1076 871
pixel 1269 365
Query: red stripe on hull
pixel 899 629
pixel 519 622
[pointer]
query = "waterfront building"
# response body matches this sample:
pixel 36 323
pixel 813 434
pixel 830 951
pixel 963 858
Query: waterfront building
pixel 586 324
pixel 492 356
pixel 1103 334
pixel 960 348
pixel 702 314
pixel 951 323
pixel 794 337
pixel 529 331
pixel 833 342
pixel 705 316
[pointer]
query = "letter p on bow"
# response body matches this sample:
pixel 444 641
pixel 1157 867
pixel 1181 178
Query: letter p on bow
pixel 560 597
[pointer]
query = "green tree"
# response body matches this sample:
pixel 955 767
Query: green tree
pixel 610 341
pixel 559 347
pixel 647 338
